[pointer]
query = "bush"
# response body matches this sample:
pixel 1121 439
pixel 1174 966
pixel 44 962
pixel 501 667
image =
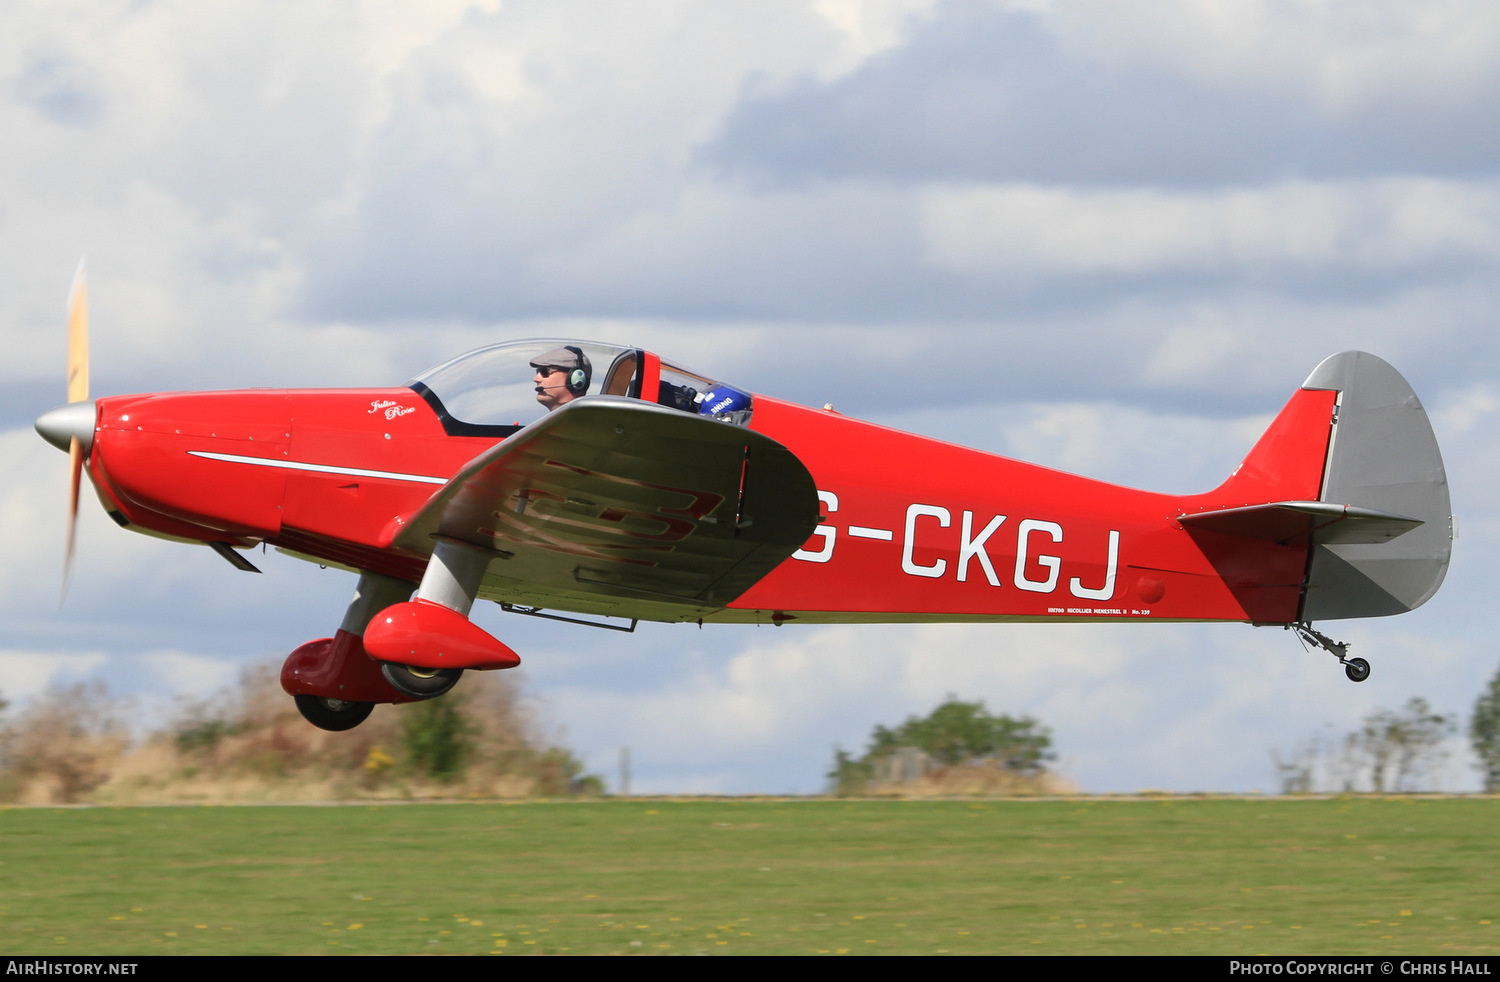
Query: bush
pixel 478 740
pixel 956 735
pixel 437 737
pixel 248 742
pixel 63 745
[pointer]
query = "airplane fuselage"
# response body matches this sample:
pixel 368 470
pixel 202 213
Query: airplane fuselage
pixel 913 529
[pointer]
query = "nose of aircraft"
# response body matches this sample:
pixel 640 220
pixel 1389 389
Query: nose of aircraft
pixel 64 423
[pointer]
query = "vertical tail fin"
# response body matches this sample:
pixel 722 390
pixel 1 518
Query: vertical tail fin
pixel 1382 456
pixel 1350 469
pixel 1287 462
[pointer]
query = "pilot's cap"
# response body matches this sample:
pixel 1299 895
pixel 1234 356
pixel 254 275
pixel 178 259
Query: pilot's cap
pixel 568 358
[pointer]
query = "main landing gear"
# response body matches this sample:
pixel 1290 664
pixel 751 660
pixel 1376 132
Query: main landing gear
pixel 391 649
pixel 420 683
pixel 425 644
pixel 333 714
pixel 1357 669
pixel 333 681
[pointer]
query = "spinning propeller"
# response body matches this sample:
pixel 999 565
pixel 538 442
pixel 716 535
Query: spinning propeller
pixel 71 427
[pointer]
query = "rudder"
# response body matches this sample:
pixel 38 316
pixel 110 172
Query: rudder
pixel 1382 456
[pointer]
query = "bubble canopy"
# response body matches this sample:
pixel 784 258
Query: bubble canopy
pixel 494 391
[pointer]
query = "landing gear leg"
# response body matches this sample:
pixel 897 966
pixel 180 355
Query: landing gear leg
pixel 1357 669
pixel 335 683
pixel 453 575
pixel 452 580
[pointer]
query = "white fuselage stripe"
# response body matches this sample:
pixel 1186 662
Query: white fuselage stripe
pixel 296 465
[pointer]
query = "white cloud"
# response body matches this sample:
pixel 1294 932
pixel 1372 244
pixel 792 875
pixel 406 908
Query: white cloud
pixel 26 674
pixel 868 28
pixel 1354 54
pixel 1466 410
pixel 1025 230
pixel 184 673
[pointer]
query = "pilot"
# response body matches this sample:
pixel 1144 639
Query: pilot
pixel 562 375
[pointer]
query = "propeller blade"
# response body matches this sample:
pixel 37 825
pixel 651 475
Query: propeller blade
pixel 78 391
pixel 75 463
pixel 78 337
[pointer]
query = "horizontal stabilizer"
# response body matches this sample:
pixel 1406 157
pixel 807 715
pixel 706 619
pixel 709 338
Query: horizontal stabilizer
pixel 1321 522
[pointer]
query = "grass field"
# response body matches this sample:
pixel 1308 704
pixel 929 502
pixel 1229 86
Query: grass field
pixel 1362 876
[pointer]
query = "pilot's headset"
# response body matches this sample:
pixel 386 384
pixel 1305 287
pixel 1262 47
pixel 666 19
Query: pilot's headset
pixel 578 378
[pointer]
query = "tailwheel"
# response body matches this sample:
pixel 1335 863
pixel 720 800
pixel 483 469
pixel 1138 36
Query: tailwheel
pixel 1356 669
pixel 418 682
pixel 333 714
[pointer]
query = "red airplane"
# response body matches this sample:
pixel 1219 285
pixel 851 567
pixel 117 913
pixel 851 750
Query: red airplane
pixel 563 478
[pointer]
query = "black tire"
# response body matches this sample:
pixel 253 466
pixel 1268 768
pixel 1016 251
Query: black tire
pixel 1357 669
pixel 420 683
pixel 333 714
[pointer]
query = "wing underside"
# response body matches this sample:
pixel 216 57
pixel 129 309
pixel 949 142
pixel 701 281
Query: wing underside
pixel 614 506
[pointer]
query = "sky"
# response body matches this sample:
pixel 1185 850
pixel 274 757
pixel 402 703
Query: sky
pixel 1109 238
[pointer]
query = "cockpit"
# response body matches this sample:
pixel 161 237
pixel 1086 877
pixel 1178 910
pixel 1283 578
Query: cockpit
pixel 496 390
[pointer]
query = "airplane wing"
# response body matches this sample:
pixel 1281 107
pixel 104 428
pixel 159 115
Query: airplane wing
pixel 615 506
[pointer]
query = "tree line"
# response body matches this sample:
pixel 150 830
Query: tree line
pixel 72 744
pixel 1395 750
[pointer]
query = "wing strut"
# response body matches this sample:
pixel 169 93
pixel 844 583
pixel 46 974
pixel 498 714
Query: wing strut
pixel 537 612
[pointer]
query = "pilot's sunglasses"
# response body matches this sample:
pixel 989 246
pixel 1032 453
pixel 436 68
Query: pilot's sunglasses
pixel 547 370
